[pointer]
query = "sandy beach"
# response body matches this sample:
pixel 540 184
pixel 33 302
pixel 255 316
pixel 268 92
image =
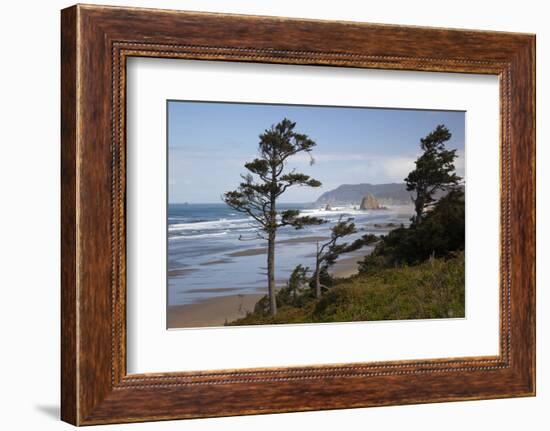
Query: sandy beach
pixel 347 266
pixel 218 310
pixel 211 312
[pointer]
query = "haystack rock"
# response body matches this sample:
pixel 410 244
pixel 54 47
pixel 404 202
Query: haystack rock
pixel 369 202
pixel 328 208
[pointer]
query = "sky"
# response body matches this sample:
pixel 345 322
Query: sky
pixel 209 142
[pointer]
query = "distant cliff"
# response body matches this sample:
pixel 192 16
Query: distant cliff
pixel 353 194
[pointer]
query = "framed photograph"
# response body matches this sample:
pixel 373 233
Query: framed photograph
pixel 266 215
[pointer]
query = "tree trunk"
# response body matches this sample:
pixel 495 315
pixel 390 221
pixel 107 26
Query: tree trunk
pixel 272 231
pixel 271 273
pixel 418 208
pixel 317 274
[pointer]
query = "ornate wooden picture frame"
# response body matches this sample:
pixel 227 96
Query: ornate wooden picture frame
pixel 96 41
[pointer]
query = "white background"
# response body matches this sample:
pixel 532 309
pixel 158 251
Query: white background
pixel 153 349
pixel 29 216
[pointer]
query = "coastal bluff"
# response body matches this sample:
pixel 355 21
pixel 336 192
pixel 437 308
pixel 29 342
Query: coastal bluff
pixel 353 194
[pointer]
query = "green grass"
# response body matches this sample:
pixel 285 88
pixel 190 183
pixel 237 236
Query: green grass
pixel 433 289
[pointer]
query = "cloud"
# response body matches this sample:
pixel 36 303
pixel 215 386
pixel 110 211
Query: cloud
pixel 329 167
pixel 397 167
pixel 366 167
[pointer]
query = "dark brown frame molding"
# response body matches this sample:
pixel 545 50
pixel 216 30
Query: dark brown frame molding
pixel 95 43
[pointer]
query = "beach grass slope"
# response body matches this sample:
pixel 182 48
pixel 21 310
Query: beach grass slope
pixel 430 290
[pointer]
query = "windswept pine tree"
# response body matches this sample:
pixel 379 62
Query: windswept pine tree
pixel 328 252
pixel 434 171
pixel 266 181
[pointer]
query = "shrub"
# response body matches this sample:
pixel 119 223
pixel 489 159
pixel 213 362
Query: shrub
pixel 440 234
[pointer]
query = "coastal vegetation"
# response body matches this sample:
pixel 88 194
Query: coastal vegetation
pixel 432 289
pixel 412 272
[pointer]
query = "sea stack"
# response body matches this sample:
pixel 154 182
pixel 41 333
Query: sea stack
pixel 328 208
pixel 369 202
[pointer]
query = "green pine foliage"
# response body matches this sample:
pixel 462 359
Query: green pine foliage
pixel 434 171
pixel 441 233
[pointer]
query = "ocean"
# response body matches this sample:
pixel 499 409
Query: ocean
pixel 214 250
